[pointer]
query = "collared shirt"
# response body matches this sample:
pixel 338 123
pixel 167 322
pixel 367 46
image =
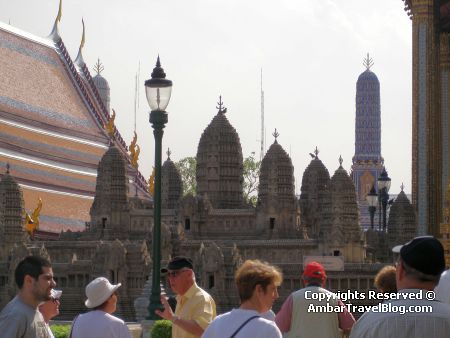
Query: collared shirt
pixel 196 304
pixel 406 318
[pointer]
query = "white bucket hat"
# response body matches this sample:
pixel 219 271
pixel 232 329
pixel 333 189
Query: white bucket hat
pixel 98 291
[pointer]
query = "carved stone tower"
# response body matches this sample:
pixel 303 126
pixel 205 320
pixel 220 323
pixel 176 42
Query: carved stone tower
pixel 11 211
pixel 314 192
pixel 344 235
pixel 111 199
pixel 276 193
pixel 171 185
pixel 219 172
pixel 367 162
pixel 402 221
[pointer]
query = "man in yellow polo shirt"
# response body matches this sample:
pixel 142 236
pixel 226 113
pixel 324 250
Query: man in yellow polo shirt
pixel 195 307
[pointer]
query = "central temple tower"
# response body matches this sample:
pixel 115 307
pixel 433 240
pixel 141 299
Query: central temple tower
pixel 367 161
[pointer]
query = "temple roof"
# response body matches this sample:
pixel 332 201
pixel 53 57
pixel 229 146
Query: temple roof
pixel 52 127
pixel 444 13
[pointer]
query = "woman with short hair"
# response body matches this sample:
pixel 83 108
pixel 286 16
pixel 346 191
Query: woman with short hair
pixel 257 283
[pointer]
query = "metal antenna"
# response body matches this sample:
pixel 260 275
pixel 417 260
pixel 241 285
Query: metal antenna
pixel 261 155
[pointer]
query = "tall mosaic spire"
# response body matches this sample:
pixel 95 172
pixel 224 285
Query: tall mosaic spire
pixel 367 161
pixel 368 116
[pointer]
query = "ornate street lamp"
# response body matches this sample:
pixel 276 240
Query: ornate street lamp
pixel 384 184
pixel 372 199
pixel 158 90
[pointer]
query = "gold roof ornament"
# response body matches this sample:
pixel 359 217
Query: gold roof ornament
pixel 32 222
pixel 135 158
pixel 54 35
pixel 151 183
pixel 132 146
pixel 109 126
pixel 79 60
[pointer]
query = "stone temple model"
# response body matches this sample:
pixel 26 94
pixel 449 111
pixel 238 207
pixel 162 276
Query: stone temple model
pixel 72 157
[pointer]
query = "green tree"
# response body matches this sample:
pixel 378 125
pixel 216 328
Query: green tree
pixel 186 166
pixel 251 179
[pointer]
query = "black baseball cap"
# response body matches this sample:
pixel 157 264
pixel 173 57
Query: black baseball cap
pixel 424 253
pixel 178 263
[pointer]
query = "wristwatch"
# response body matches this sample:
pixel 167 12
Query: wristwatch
pixel 175 318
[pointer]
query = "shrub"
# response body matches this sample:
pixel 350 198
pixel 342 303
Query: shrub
pixel 161 329
pixel 60 331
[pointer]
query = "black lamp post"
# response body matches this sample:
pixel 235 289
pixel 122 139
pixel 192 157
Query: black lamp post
pixel 158 90
pixel 384 184
pixel 372 199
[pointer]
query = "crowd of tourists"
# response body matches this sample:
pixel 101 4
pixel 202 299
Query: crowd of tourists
pixel 419 271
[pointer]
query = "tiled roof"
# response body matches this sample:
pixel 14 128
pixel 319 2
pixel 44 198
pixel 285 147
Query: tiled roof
pixel 51 128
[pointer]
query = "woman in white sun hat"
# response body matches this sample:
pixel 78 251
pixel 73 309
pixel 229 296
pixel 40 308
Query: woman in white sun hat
pixel 99 322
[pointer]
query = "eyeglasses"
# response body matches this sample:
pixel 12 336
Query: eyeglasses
pixel 174 274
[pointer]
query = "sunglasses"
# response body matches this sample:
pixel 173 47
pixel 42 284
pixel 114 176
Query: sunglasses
pixel 174 274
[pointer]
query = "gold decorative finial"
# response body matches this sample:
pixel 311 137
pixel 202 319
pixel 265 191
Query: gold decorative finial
pixel 221 107
pixel 275 134
pixel 135 159
pixel 58 17
pixel 98 67
pixel 151 183
pixel 83 36
pixel 55 34
pixel 368 62
pixel 7 167
pixel 340 161
pixel 402 186
pixel 110 127
pixel 316 152
pixel 133 146
pixel 32 222
pixel 168 153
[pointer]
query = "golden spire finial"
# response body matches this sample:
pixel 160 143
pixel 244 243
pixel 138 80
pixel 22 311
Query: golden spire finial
pixel 402 186
pixel 168 153
pixel 7 167
pixel 98 67
pixel 55 34
pixel 368 62
pixel 340 161
pixel 151 183
pixel 79 60
pixel 109 126
pixel 83 36
pixel 132 146
pixel 135 159
pixel 316 152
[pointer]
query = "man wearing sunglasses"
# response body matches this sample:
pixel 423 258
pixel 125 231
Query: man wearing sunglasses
pixel 195 307
pixel 50 309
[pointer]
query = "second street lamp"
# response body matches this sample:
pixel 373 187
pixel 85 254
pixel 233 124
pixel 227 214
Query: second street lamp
pixel 372 200
pixel 158 90
pixel 384 184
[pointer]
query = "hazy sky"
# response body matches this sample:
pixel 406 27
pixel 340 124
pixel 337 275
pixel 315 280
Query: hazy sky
pixel 311 52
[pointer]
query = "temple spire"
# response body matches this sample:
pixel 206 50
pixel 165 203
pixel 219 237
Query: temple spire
pixel 340 161
pixel 7 168
pixel 220 106
pixel 275 134
pixel 368 62
pixel 168 153
pixel 316 152
pixel 402 186
pixel 98 67
pixel 54 35
pixel 79 60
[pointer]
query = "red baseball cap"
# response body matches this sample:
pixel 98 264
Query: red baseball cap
pixel 314 270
